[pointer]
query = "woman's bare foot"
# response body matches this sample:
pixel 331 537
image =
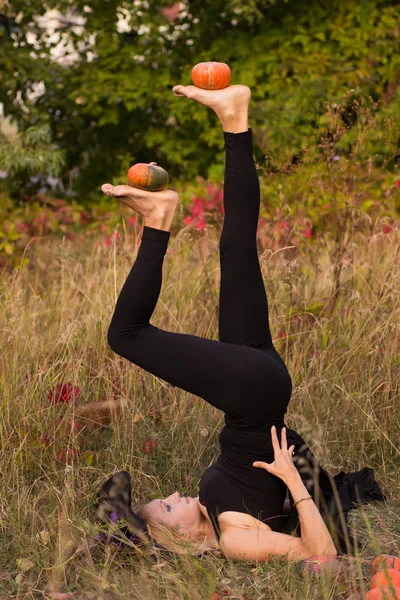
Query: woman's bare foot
pixel 156 208
pixel 230 104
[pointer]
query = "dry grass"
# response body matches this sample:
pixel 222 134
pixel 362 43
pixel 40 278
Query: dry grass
pixel 344 363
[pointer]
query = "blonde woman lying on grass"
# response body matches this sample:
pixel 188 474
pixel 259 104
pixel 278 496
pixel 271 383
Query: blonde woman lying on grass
pixel 241 507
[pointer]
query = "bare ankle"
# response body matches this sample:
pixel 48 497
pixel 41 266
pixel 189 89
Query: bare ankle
pixel 160 218
pixel 234 125
pixel 234 122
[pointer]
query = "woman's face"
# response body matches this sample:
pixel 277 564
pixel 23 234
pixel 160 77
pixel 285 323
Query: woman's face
pixel 177 511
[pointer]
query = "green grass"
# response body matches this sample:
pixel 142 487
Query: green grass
pixel 343 357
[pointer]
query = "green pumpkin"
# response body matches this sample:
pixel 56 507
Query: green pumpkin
pixel 148 177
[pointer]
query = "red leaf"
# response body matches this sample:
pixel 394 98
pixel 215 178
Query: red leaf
pixel 63 392
pixel 45 439
pixel 66 455
pixel 283 226
pixel 148 445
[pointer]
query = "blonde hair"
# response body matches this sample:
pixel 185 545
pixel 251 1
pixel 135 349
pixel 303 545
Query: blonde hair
pixel 171 539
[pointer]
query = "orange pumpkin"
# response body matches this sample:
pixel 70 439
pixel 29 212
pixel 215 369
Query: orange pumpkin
pixel 392 562
pixel 383 594
pixel 211 75
pixel 382 579
pixel 148 177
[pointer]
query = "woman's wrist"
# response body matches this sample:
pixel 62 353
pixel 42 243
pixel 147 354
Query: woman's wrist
pixel 296 487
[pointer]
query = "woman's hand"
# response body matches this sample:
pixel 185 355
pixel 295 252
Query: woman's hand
pixel 282 466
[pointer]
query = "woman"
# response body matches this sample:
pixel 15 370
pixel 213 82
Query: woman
pixel 240 507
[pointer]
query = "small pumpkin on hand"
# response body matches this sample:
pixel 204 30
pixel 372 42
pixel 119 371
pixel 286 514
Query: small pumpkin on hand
pixel 148 177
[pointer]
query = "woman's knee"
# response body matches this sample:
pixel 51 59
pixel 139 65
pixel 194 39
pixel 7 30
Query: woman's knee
pixel 118 338
pixel 113 339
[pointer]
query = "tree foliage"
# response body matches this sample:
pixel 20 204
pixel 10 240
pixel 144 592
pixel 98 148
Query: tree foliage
pixel 30 152
pixel 112 104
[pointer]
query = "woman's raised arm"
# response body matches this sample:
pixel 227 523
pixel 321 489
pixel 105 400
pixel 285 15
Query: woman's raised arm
pixel 315 536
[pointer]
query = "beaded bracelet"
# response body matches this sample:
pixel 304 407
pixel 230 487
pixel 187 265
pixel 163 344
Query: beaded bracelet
pixel 301 500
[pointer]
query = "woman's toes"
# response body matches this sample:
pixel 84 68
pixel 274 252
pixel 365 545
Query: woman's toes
pixel 125 190
pixel 178 90
pixel 189 91
pixel 107 189
pixel 117 190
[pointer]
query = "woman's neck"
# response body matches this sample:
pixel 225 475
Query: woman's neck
pixel 207 534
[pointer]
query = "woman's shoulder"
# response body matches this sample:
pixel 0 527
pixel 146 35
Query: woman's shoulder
pixel 230 518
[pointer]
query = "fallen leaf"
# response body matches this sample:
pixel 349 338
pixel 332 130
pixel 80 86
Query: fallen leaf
pixel 148 445
pixel 24 564
pixel 43 537
pixel 160 565
pixel 137 418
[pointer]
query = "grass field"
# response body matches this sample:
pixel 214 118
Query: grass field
pixel 344 359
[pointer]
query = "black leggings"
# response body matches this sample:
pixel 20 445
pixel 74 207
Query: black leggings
pixel 241 374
